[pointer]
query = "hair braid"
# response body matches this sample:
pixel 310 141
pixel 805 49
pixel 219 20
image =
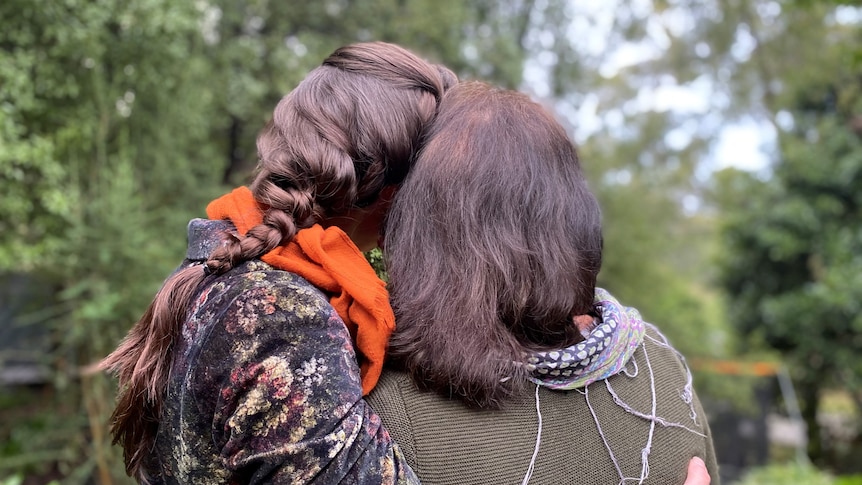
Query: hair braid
pixel 288 212
pixel 331 146
pixel 349 129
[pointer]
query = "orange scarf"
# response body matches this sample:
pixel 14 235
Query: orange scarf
pixel 329 260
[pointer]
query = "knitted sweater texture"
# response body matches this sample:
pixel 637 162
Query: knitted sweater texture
pixel 447 443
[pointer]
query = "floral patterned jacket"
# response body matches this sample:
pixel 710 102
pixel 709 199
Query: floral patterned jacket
pixel 265 387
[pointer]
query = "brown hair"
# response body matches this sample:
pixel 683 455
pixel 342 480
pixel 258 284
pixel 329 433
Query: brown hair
pixel 493 244
pixel 351 127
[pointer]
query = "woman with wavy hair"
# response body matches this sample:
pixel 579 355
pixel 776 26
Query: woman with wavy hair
pixel 493 246
pixel 251 362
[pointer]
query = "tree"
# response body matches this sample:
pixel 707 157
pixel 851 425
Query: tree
pixel 793 265
pixel 103 132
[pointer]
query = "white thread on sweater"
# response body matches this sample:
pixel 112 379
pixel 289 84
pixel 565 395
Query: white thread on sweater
pixel 687 393
pixel 652 417
pixel 586 393
pixel 633 373
pixel 648 448
pixel 657 419
pixel 538 442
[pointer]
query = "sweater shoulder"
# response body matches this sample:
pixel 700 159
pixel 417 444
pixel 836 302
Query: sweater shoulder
pixel 587 435
pixel 389 399
pixel 254 309
pixel 260 288
pixel 256 274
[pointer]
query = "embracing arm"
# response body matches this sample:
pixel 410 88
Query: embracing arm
pixel 290 408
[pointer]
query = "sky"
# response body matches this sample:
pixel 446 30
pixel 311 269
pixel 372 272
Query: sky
pixel 744 143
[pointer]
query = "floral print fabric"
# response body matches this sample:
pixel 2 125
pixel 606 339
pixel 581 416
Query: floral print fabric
pixel 265 388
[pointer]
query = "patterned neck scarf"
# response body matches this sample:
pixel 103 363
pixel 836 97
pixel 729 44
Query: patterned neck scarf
pixel 604 352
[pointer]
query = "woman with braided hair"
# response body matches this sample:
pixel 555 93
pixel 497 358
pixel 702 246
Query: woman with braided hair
pixel 250 364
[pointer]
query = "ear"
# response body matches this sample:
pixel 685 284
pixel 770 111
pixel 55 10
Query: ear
pixel 387 194
pixel 384 200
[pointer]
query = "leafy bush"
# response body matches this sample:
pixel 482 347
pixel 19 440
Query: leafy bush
pixel 786 473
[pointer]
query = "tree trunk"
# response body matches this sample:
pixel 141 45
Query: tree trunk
pixel 810 397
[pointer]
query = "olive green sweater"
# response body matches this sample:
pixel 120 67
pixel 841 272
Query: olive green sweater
pixel 447 443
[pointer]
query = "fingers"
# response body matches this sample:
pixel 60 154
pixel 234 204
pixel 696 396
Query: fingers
pixel 697 473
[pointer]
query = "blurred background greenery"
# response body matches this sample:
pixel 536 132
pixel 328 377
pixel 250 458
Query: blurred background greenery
pixel 120 119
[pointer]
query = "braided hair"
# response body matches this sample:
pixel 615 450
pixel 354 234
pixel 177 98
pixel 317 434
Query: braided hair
pixel 350 128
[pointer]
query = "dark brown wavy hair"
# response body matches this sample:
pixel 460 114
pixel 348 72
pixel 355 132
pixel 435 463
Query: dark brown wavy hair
pixel 493 245
pixel 351 127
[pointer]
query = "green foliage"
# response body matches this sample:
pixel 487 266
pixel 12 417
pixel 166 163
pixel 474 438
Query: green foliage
pixel 375 257
pixel 794 253
pixel 92 170
pixel 656 257
pixel 658 246
pixel 796 473
pixel 795 259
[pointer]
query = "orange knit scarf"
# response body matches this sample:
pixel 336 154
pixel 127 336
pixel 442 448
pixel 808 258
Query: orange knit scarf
pixel 329 260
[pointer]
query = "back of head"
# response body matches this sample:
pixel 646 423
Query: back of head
pixel 350 128
pixel 493 245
